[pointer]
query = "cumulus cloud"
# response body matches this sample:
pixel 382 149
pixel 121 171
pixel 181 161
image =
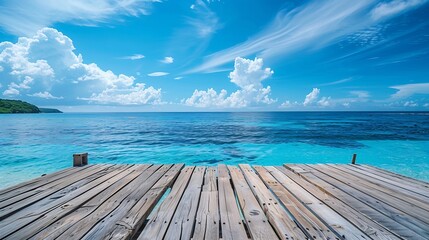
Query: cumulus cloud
pixel 289 104
pixel 248 76
pixel 25 17
pixel 324 102
pixel 45 95
pixel 312 96
pixel 158 74
pixel 11 92
pixel 408 90
pixel 128 96
pixel 47 62
pixel 168 60
pixel 134 57
pixel 410 104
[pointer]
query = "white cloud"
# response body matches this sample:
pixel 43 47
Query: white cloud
pixel 158 74
pixel 426 105
pixel 25 17
pixel 134 57
pixel 129 96
pixel 315 25
pixel 248 76
pixel 388 9
pixel 324 102
pixel 11 92
pixel 289 104
pixel 178 78
pixel 59 71
pixel 206 22
pixel 312 96
pixel 168 60
pixel 408 90
pixel 1 69
pixel 360 94
pixel 45 95
pixel 410 104
pixel 337 82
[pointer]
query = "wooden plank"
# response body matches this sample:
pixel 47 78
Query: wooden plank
pixel 99 202
pixel 257 222
pixel 394 176
pixel 232 226
pixel 14 204
pixel 346 207
pixel 304 217
pixel 157 226
pixel 127 227
pixel 28 226
pixel 336 221
pixel 370 202
pixel 285 226
pixel 398 181
pixel 98 226
pixel 184 217
pixel 374 182
pixel 207 220
pixel 18 189
pixel 403 206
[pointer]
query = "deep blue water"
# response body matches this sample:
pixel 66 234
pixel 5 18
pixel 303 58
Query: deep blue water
pixel 33 144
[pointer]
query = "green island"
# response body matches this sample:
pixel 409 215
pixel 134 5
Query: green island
pixel 18 106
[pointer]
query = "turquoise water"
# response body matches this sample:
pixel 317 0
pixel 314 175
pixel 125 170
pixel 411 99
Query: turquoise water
pixel 31 145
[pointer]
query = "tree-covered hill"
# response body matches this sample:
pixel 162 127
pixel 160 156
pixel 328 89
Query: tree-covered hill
pixel 17 106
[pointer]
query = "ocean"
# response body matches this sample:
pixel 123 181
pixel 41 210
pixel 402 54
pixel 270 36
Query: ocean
pixel 35 144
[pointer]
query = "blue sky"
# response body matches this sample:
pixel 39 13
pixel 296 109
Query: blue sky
pixel 143 55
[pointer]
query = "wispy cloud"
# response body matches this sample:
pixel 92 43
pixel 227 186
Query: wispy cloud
pixel 158 74
pixel 387 9
pixel 25 17
pixel 315 25
pixel 167 60
pixel 336 82
pixel 408 90
pixel 206 22
pixel 134 57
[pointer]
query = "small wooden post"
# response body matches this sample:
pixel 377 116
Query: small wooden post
pixel 80 159
pixel 354 158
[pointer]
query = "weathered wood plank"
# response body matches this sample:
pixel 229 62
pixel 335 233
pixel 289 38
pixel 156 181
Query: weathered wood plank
pixel 13 205
pixel 285 227
pixel 369 204
pixel 28 226
pixel 184 217
pixel 232 226
pixel 257 222
pixel 374 182
pixel 99 202
pixel 30 185
pixel 207 220
pixel 130 223
pixel 158 224
pixel 332 218
pixel 403 206
pixel 395 176
pixel 345 205
pixel 411 187
pixel 306 218
pixel 133 193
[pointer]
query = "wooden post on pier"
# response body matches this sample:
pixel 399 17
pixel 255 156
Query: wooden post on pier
pixel 80 159
pixel 354 158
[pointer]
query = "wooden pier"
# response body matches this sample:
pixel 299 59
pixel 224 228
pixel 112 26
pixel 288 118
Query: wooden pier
pixel 322 201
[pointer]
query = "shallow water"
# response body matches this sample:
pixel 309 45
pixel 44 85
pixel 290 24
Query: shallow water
pixel 31 145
